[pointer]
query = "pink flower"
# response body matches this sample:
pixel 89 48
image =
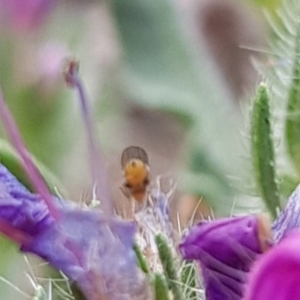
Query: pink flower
pixel 24 15
pixel 276 274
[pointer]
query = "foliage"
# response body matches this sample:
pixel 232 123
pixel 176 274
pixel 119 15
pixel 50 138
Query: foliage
pixel 263 151
pixel 160 70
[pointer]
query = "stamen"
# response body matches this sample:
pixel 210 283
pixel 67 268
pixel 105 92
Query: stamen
pixel 32 172
pixel 96 163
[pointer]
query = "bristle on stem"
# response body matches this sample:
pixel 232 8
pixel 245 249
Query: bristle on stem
pixel 73 80
pixel 29 167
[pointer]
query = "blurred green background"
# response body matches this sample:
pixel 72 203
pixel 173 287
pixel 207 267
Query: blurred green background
pixel 174 77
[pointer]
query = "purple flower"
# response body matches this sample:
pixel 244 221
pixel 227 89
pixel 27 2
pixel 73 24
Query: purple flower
pixel 25 15
pixel 226 250
pixel 289 218
pixel 276 273
pixel 23 210
pixel 90 249
pixel 94 252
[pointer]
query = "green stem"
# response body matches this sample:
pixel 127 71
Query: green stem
pixel 263 152
pixel 168 266
pixel 141 259
pixel 160 287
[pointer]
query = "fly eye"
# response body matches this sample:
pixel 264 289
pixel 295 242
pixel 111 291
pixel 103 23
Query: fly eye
pixel 132 153
pixel 146 181
pixel 128 185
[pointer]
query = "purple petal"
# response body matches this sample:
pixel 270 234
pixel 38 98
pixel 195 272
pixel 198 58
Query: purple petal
pixel 94 251
pixel 225 249
pixel 289 218
pixel 276 274
pixel 24 211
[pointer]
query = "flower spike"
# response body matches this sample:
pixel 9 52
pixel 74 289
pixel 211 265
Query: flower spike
pixel 94 251
pixel 96 164
pixel 32 172
pixel 225 249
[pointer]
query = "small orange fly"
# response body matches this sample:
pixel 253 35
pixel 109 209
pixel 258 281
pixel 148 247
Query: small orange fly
pixel 135 165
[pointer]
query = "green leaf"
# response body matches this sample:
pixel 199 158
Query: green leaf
pixel 292 128
pixel 44 122
pixel 287 184
pixel 263 152
pixel 10 159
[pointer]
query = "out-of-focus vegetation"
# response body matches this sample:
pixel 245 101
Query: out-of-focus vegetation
pixel 171 76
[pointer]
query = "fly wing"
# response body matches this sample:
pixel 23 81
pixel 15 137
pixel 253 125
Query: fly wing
pixel 134 152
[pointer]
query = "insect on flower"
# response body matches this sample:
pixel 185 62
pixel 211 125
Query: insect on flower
pixel 135 165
